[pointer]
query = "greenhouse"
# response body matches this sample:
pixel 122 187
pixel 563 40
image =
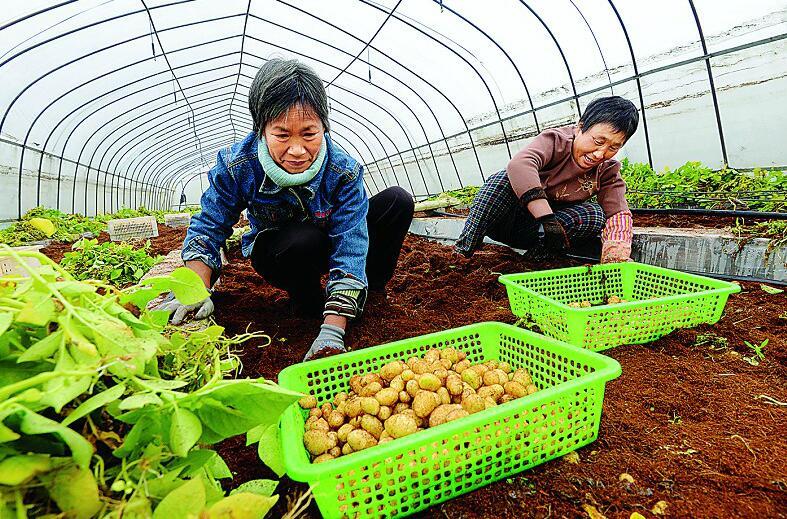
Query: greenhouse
pixel 393 258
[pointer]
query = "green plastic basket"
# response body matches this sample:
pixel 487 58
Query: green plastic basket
pixel 660 300
pixel 403 476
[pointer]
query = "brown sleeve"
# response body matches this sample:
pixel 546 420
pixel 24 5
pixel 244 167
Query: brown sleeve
pixel 523 168
pixel 612 190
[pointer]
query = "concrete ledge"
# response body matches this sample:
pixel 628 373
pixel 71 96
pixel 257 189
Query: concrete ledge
pixel 713 251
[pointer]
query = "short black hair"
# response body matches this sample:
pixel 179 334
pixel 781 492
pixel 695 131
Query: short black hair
pixel 281 84
pixel 616 111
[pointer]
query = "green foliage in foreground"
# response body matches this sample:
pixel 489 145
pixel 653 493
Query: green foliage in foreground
pixel 103 415
pixel 117 263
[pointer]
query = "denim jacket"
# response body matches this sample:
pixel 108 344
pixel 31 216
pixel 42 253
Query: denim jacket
pixel 335 200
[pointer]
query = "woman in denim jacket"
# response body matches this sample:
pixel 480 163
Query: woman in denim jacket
pixel 307 209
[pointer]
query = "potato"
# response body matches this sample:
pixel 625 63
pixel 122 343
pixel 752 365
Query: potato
pixel 384 412
pixel 386 440
pixel 450 354
pixel 335 419
pixel 456 414
pixel 340 397
pixel 315 413
pixel 335 452
pixel 355 422
pixel 471 378
pixel 438 415
pixel 531 388
pixel 308 402
pixel 371 377
pixel 387 396
pixel 473 403
pixel 462 365
pixel 408 375
pixel 324 457
pixel 515 389
pixel 505 367
pixel 317 442
pixel 343 431
pixel 432 356
pixel 585 304
pixel 574 304
pixel 370 405
pixel 429 382
pixel 371 389
pixel 506 398
pixel 479 368
pixel 360 439
pixel 522 376
pixel 401 407
pixel 319 424
pixel 489 402
pixel 372 425
pixel 352 407
pixel 391 370
pixel 326 409
pixel 424 403
pixel 491 364
pixel 491 378
pixel 346 449
pixel 613 300
pixel 404 397
pixel 445 396
pixel 420 367
pixel 461 355
pixel 412 361
pixel 495 391
pixel 442 374
pixel 400 425
pixel 412 387
pixel 453 383
pixel 446 364
pixel 397 383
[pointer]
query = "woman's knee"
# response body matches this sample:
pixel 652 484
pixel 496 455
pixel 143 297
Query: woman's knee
pixel 392 203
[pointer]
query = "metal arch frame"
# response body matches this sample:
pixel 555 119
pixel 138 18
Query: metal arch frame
pixel 445 6
pixel 394 60
pixel 636 76
pixel 480 77
pixel 240 64
pixel 711 82
pixel 56 126
pixel 598 45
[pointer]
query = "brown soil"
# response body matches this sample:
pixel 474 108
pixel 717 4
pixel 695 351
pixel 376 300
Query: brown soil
pixel 689 424
pixel 168 239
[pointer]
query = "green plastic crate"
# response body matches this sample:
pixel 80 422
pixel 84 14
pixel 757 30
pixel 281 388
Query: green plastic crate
pixel 660 300
pixel 403 476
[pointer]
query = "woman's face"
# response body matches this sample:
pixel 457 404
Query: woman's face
pixel 294 139
pixel 598 143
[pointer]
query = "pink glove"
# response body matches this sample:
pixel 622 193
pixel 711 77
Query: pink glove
pixel 613 251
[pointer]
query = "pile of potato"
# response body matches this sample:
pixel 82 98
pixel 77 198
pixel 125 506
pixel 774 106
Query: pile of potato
pixel 611 300
pixel 405 397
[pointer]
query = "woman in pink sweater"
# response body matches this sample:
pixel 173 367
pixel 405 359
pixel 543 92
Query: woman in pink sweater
pixel 541 201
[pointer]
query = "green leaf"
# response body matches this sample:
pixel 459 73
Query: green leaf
pixel 7 435
pixel 81 449
pixel 43 225
pixel 184 502
pixel 163 385
pixel 6 318
pixel 184 432
pixel 94 402
pixel 140 400
pixel 73 288
pixel 261 487
pixel 771 290
pixel 63 389
pixel 43 348
pixel 75 491
pixel 194 462
pixel 243 505
pixel 141 296
pixel 143 431
pixel 269 449
pixel 159 318
pixel 17 470
pixel 218 467
pixel 114 274
pixel 39 309
pixel 184 283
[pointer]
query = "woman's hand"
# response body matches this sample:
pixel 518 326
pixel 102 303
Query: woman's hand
pixel 614 251
pixel 330 341
pixel 178 311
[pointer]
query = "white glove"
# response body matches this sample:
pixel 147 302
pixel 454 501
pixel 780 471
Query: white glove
pixel 178 310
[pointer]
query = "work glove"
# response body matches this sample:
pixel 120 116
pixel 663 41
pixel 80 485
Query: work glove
pixel 330 341
pixel 614 251
pixel 178 311
pixel 552 235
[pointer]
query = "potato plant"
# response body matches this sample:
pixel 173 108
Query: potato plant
pixel 404 397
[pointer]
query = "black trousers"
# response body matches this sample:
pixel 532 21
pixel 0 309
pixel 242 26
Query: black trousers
pixel 295 257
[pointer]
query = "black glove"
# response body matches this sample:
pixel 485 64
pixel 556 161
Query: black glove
pixel 553 236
